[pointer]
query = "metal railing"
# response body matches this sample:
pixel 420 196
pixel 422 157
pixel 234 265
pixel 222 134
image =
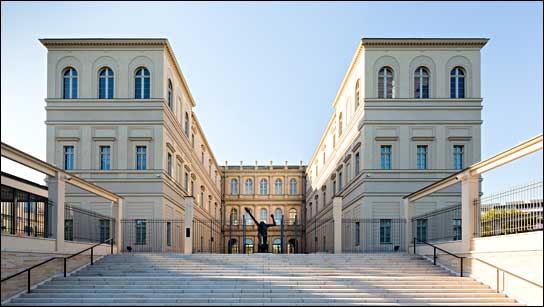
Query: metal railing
pixel 435 256
pixel 207 236
pixel 28 270
pixel 373 235
pixel 87 226
pixel 439 225
pixel 25 214
pixel 151 236
pixel 516 210
pixel 320 236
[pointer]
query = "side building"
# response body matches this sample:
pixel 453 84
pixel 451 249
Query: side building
pixel 264 190
pixel 120 115
pixel 408 113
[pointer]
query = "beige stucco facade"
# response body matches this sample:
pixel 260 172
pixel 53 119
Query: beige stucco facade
pixel 124 123
pixel 347 161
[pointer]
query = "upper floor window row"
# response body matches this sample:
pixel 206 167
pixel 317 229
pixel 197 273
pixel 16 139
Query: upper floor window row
pixel 142 84
pixel 421 81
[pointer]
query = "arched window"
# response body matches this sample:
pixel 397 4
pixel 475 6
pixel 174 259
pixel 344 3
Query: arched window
pixel 142 83
pixel 186 124
pixel 234 186
pixel 277 216
pixel 248 219
pixel 421 83
pixel 234 216
pixel 170 95
pixel 262 217
pixel 340 124
pixel 457 83
pixel 249 186
pixel 293 186
pixel 357 94
pixel 264 186
pixel 105 83
pixel 292 216
pixel 385 82
pixel 70 83
pixel 278 187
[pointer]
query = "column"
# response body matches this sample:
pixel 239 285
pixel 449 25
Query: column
pixel 188 203
pixel 57 189
pixel 470 189
pixel 409 212
pixel 337 218
pixel 118 225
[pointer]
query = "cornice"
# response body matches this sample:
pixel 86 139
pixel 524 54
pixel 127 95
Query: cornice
pixel 101 42
pixel 424 42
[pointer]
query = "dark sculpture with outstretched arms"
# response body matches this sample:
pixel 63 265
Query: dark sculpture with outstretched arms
pixel 262 228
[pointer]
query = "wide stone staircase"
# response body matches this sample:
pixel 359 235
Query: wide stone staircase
pixel 262 279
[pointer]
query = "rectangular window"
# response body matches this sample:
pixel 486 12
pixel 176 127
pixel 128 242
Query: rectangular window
pixel 168 234
pixel 348 172
pixel 104 230
pixel 385 231
pixel 186 185
pixel 340 182
pixel 357 233
pixel 334 188
pixel 69 230
pixel 421 160
pixel 138 88
pixel 458 156
pixel 421 233
pixel 105 155
pixel 141 157
pixel 456 223
pixel 357 164
pixel 141 232
pixel 169 164
pixel 193 141
pixel 385 157
pixel 68 157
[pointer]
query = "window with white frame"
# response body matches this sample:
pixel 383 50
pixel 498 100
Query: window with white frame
pixel 264 186
pixel 69 83
pixel 169 164
pixel 421 83
pixel 170 95
pixel 234 186
pixel 105 83
pixel 385 231
pixel 142 83
pixel 278 187
pixel 186 124
pixel 340 122
pixel 262 217
pixel 105 157
pixel 385 82
pixel 278 216
pixel 234 216
pixel 357 164
pixel 293 186
pixel 385 157
pixel 421 159
pixel 458 153
pixel 457 83
pixel 357 94
pixel 69 157
pixel 249 186
pixel 293 216
pixel 141 157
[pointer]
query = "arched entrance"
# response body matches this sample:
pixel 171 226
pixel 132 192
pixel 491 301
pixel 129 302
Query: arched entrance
pixel 249 246
pixel 276 246
pixel 292 247
pixel 233 246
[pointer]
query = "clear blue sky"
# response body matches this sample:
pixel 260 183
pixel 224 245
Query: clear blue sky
pixel 279 65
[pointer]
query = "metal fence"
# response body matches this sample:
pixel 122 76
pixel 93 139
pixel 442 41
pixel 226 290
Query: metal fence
pixel 320 236
pixel 25 214
pixel 516 210
pixel 244 238
pixel 153 236
pixel 373 235
pixel 207 236
pixel 440 225
pixel 87 226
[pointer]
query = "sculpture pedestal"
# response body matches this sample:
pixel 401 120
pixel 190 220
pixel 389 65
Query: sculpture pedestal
pixel 262 248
